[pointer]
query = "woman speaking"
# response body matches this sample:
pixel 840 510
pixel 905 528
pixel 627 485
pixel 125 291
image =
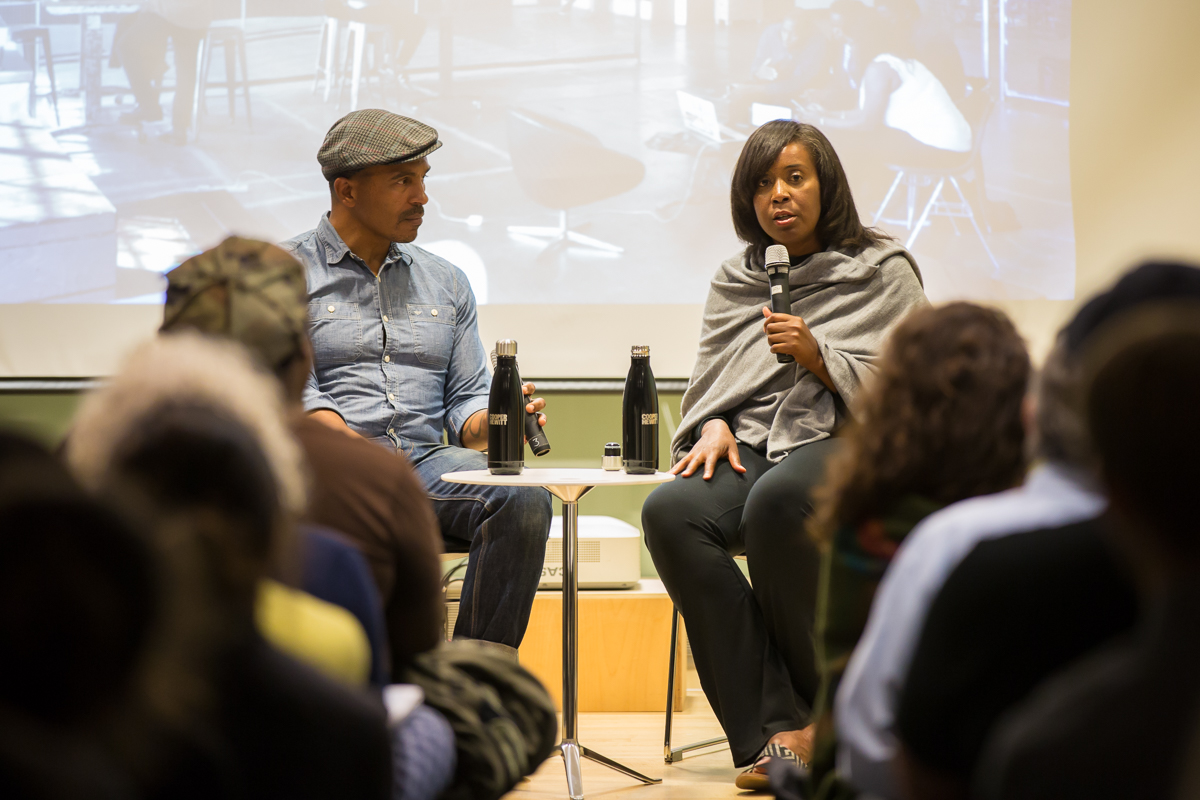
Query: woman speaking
pixel 756 434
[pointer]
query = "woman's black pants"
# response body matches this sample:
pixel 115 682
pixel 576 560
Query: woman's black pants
pixel 753 647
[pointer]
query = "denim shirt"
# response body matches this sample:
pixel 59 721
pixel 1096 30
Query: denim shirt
pixel 398 356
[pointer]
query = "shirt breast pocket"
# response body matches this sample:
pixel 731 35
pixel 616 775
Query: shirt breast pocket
pixel 433 333
pixel 336 331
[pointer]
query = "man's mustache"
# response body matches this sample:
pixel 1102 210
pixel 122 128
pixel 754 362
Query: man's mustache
pixel 416 214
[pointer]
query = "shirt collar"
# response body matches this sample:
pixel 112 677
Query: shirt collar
pixel 336 249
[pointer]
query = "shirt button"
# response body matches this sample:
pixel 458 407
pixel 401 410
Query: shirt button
pixel 391 396
pixel 385 317
pixel 332 309
pixel 433 313
pixel 386 359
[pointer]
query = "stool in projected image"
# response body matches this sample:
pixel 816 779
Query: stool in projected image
pixel 568 485
pixel 562 167
pixel 942 167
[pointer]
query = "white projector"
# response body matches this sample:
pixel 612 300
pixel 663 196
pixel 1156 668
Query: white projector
pixel 609 554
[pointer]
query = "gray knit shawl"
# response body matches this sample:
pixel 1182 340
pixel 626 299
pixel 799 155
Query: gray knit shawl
pixel 850 302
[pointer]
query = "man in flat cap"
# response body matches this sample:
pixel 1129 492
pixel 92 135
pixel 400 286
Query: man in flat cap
pixel 398 360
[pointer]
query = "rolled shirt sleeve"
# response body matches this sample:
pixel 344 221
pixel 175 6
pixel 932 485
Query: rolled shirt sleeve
pixel 468 381
pixel 316 400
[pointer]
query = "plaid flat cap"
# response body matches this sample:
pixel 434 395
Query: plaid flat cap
pixel 373 136
pixel 242 289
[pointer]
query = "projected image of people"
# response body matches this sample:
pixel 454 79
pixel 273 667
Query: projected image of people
pixel 590 143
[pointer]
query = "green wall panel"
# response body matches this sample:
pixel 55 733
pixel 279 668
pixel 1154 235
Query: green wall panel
pixel 579 426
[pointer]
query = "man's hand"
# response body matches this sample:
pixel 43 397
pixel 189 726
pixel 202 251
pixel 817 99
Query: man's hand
pixel 535 404
pixel 333 420
pixel 788 334
pixel 474 433
pixel 716 442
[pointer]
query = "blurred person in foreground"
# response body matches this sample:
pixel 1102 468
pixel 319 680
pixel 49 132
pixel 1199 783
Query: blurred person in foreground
pixel 254 293
pixel 991 597
pixel 756 434
pixel 940 422
pixel 79 603
pixel 397 360
pixel 191 436
pixel 1118 724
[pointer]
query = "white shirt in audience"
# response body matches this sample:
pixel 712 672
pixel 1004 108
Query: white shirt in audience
pixel 865 706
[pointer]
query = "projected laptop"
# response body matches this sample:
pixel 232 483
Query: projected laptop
pixel 700 117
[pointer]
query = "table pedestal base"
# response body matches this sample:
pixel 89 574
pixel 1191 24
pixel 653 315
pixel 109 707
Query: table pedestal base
pixel 572 751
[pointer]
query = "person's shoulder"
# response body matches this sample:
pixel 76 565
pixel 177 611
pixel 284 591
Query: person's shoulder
pixel 300 243
pixel 987 512
pixel 283 682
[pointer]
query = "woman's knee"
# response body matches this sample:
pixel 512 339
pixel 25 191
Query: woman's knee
pixel 664 520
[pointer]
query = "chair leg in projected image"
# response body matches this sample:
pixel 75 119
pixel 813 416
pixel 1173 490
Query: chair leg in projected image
pixel 563 236
pixel 938 207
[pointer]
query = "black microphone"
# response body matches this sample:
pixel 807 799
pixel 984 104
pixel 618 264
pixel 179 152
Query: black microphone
pixel 778 264
pixel 535 434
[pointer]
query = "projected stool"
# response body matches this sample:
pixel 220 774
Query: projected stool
pixel 568 485
pixel 232 39
pixel 562 167
pixel 942 167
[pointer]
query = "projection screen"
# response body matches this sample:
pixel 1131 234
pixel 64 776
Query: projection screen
pixel 583 185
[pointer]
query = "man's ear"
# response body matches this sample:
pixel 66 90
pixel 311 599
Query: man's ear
pixel 343 191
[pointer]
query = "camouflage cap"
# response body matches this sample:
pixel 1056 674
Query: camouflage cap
pixel 373 136
pixel 244 289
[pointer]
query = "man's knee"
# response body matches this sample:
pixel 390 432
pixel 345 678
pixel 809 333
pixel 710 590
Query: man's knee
pixel 529 511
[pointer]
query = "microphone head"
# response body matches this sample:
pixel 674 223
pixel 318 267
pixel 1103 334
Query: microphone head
pixel 777 254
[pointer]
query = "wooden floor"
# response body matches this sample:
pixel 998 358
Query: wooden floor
pixel 636 740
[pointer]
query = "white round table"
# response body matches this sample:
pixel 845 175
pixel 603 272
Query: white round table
pixel 569 485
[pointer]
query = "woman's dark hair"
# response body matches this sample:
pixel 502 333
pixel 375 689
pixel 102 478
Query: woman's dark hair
pixel 941 420
pixel 838 227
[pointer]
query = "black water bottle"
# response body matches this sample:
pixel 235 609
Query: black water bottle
pixel 639 414
pixel 506 414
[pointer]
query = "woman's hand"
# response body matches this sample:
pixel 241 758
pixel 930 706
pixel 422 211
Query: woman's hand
pixel 788 334
pixel 716 442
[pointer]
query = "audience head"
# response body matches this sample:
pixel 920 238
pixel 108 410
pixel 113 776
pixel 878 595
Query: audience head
pixel 78 602
pixel 193 434
pixel 77 592
pixel 941 419
pixel 1141 398
pixel 251 292
pixel 837 227
pixel 1060 431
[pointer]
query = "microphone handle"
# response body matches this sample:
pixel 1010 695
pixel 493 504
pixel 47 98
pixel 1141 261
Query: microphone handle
pixel 781 303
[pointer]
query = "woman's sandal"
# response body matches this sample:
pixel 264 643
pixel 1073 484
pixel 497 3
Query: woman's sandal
pixel 753 781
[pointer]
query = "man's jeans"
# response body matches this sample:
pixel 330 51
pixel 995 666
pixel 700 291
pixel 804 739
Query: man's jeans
pixel 504 529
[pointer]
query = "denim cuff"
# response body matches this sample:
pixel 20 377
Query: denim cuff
pixel 457 417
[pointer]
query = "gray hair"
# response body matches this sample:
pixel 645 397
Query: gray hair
pixel 192 368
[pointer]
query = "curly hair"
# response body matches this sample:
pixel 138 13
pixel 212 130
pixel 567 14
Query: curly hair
pixel 942 418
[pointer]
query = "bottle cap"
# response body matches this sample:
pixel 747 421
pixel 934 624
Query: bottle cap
pixel 612 449
pixel 506 347
pixel 641 351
